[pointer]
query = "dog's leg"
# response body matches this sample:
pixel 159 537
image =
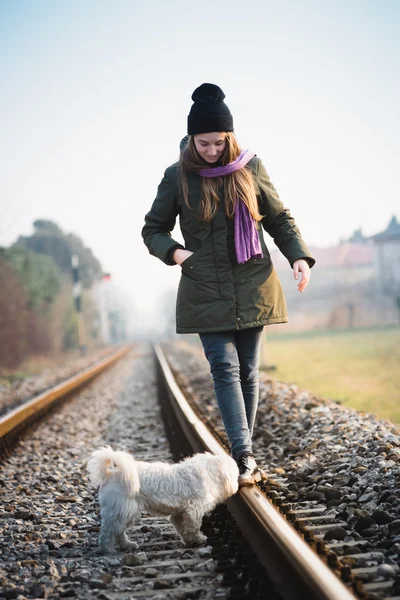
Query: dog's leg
pixel 177 522
pixel 111 529
pixel 107 534
pixel 188 526
pixel 125 543
pixel 122 539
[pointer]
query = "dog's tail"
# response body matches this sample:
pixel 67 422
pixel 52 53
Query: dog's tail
pixel 106 464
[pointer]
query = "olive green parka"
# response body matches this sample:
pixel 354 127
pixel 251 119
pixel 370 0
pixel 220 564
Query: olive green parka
pixel 215 292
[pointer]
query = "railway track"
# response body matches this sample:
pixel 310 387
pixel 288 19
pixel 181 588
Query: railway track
pixel 252 552
pixel 16 420
pixel 49 519
pixel 361 546
pixel 289 562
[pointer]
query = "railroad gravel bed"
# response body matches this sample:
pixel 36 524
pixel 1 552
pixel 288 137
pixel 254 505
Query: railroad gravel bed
pixel 17 392
pixel 343 464
pixel 49 516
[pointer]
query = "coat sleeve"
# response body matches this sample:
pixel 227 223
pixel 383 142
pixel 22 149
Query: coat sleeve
pixel 160 221
pixel 278 222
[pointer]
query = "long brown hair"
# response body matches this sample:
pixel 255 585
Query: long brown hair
pixel 237 185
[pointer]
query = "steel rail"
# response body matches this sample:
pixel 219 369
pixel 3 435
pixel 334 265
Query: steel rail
pixel 24 412
pixel 259 520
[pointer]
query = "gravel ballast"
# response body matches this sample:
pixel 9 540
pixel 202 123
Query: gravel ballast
pixel 18 392
pixel 343 463
pixel 49 516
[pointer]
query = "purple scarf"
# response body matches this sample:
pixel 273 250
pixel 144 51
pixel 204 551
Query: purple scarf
pixel 247 241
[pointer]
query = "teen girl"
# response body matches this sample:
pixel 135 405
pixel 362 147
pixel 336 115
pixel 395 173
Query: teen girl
pixel 228 289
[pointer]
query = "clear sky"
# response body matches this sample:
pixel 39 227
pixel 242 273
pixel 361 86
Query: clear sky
pixel 95 94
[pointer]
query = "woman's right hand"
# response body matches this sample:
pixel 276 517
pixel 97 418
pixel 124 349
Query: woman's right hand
pixel 180 255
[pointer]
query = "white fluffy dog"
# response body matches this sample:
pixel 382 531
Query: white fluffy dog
pixel 185 491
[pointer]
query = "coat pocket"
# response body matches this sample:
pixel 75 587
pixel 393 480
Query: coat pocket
pixel 200 265
pixel 187 263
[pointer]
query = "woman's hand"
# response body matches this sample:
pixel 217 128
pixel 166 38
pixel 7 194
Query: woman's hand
pixel 180 255
pixel 301 266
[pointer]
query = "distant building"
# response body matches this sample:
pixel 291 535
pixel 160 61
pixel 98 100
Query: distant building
pixel 358 238
pixel 387 245
pixel 357 256
pixel 341 288
pixel 354 284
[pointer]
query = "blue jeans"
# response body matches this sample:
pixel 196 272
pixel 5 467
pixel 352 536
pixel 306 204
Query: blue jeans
pixel 234 359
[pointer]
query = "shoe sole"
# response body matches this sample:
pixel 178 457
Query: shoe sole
pixel 250 480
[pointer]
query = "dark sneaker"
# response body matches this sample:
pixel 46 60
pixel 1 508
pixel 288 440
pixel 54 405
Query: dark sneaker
pixel 248 470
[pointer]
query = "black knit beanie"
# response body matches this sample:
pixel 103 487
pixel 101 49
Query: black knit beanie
pixel 209 111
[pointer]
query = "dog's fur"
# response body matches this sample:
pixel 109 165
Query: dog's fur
pixel 184 491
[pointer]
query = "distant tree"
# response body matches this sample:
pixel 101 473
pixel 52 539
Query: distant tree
pixel 47 243
pixel 45 227
pixel 13 317
pixel 39 275
pixel 37 313
pixel 49 239
pixel 89 267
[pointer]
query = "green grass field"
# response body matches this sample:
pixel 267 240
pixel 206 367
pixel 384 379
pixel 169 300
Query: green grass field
pixel 359 368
